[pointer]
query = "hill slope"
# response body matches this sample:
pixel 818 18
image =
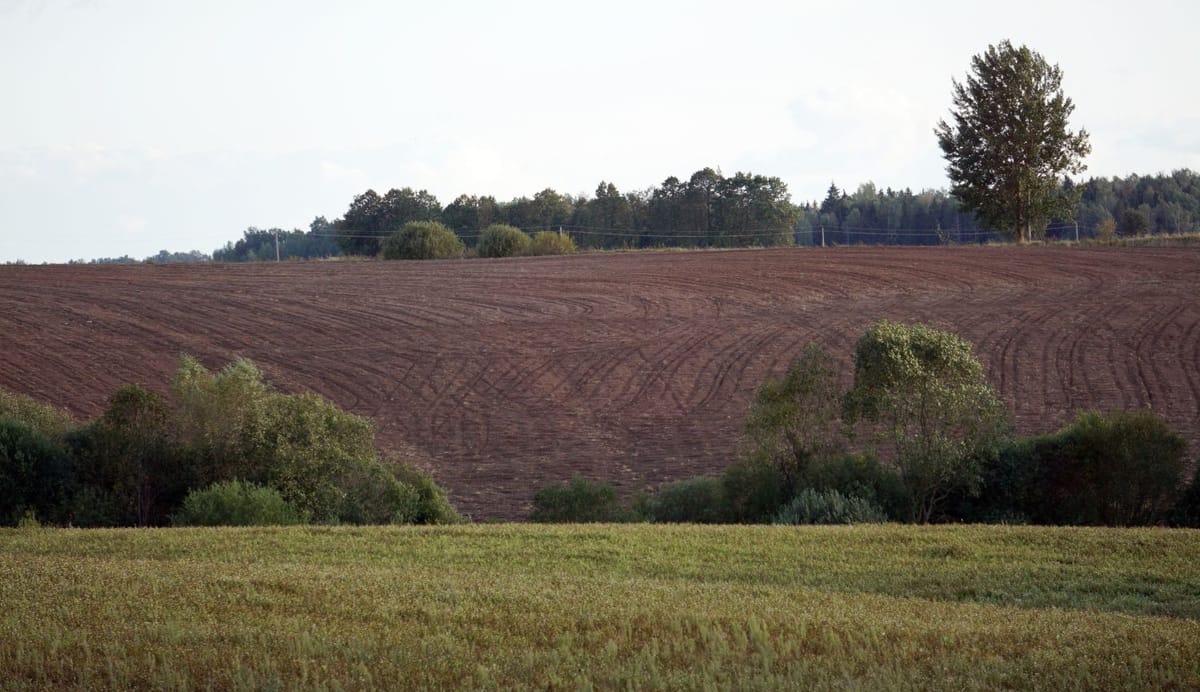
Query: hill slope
pixel 508 374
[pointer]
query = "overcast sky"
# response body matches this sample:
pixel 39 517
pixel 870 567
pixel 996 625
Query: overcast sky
pixel 128 127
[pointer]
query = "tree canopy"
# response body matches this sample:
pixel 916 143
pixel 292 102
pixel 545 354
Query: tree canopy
pixel 1008 146
pixel 924 392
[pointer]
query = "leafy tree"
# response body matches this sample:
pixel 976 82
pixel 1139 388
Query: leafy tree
pixel 131 454
pixel 222 419
pixel 796 419
pixel 467 214
pixel 924 390
pixel 36 474
pixel 361 230
pixel 47 420
pixel 1132 223
pixel 1009 145
pixel 257 245
pixel 321 459
pixel 423 240
pixel 371 218
pixel 549 209
pixel 551 243
pixel 500 240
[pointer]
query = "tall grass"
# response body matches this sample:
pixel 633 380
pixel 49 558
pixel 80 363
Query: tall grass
pixel 649 607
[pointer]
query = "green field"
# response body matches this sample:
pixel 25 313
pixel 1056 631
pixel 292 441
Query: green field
pixel 565 607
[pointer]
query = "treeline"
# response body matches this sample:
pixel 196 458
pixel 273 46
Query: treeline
pixel 919 437
pixel 163 257
pixel 221 449
pixel 709 209
pixel 1142 204
pixel 257 245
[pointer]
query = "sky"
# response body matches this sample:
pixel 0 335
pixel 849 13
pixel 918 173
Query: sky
pixel 130 126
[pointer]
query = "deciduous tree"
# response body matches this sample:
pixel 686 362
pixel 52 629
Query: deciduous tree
pixel 1007 146
pixel 924 391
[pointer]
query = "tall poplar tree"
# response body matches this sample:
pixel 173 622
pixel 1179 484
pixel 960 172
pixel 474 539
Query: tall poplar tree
pixel 1008 145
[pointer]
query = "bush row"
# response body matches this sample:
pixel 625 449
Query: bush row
pixel 418 240
pixel 221 448
pixel 1116 469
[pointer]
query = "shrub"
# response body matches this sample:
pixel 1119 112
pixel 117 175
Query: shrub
pixel 578 501
pixel 829 507
pixel 861 475
pixel 132 455
pixel 1009 479
pixel 45 419
pixel 1187 509
pixel 419 240
pixel 754 490
pixel 500 240
pixel 431 505
pixel 551 243
pixel 1123 468
pixel 234 503
pixel 36 475
pixel 94 507
pixel 699 500
pixel 795 420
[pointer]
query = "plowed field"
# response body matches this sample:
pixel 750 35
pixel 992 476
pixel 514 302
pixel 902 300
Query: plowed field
pixel 509 374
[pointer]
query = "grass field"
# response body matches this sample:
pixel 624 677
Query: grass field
pixel 601 606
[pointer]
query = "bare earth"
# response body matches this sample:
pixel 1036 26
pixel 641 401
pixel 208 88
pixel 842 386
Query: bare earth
pixel 639 368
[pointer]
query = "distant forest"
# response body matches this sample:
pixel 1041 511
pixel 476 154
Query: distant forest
pixel 712 210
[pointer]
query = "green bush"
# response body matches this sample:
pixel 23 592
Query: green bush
pixel 861 475
pixel 36 475
pixel 234 503
pixel 578 501
pixel 430 504
pixel 829 507
pixel 500 240
pixel 419 240
pixel 1009 479
pixel 131 455
pixel 921 392
pixel 699 500
pixel 1124 468
pixel 47 420
pixel 1187 509
pixel 754 489
pixel 94 507
pixel 551 243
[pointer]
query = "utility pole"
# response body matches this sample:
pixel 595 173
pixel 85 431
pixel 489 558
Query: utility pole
pixel 822 235
pixel 276 234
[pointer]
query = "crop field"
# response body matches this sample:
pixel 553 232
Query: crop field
pixel 506 375
pixel 652 607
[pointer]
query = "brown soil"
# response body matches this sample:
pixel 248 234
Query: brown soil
pixel 510 374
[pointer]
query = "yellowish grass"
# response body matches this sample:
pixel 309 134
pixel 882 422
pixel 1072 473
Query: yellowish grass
pixel 557 607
